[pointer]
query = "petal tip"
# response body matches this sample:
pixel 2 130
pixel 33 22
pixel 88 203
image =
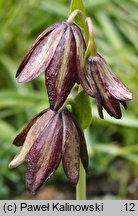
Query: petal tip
pixel 16 162
pixel 74 182
pixel 130 96
pixel 31 189
pixel 118 116
pixel 12 164
pixel 21 79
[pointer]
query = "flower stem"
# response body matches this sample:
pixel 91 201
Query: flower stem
pixel 91 36
pixel 81 186
pixel 74 14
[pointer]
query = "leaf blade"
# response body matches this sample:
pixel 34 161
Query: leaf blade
pixel 81 109
pixel 77 4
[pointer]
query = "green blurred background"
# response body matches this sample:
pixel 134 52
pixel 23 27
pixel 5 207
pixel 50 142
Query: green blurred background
pixel 112 144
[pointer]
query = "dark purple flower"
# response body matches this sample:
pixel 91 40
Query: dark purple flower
pixel 59 51
pixel 107 89
pixel 55 52
pixel 46 140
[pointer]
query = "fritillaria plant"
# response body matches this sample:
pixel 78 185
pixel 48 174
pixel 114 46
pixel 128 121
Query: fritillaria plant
pixel 67 53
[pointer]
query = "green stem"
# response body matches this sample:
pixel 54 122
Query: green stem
pixel 74 14
pixel 81 186
pixel 91 45
pixel 81 16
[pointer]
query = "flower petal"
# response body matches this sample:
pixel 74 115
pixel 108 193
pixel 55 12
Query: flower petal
pixel 124 104
pixel 83 146
pixel 34 45
pixel 70 148
pixel 112 84
pixel 40 55
pixel 61 73
pixel 20 138
pixel 112 106
pixel 80 47
pixel 96 92
pixel 83 151
pixel 35 131
pixel 110 103
pixel 45 154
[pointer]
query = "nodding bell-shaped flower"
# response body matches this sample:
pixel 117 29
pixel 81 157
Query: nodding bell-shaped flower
pixel 107 89
pixel 46 140
pixel 55 52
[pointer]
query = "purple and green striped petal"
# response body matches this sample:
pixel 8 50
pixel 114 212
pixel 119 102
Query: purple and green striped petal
pixel 45 154
pixel 103 96
pixel 20 138
pixel 61 73
pixel 70 148
pixel 39 56
pixel 111 83
pixel 35 132
pixel 80 51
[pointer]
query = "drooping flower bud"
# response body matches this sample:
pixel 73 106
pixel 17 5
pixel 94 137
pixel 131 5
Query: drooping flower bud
pixel 47 139
pixel 54 52
pixel 107 89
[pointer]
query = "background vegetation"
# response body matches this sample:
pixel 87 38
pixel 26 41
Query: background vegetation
pixel 112 144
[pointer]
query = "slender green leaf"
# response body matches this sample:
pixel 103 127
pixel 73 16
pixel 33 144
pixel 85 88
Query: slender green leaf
pixel 80 18
pixel 126 120
pixel 7 132
pixel 82 109
pixel 132 157
pixel 115 150
pixel 15 99
pixel 53 7
pixel 109 30
pixel 77 4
